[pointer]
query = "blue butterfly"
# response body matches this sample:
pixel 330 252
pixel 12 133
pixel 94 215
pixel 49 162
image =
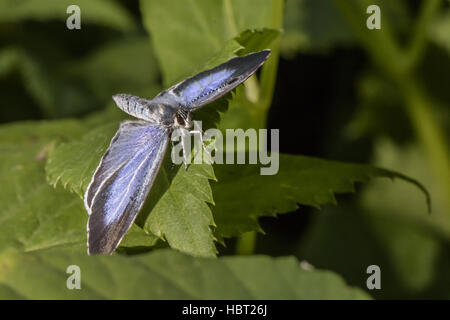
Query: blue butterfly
pixel 128 168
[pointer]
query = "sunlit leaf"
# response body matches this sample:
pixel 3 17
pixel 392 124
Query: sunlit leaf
pixel 198 31
pixel 242 194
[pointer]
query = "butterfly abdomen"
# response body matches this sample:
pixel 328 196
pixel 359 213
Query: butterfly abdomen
pixel 132 105
pixel 154 111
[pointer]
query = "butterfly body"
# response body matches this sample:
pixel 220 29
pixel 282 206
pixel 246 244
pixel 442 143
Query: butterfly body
pixel 127 170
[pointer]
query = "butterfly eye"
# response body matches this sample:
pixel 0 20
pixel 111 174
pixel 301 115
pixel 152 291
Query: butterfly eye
pixel 180 120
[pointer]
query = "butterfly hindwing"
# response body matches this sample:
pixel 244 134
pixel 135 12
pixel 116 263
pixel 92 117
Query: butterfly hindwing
pixel 122 181
pixel 209 85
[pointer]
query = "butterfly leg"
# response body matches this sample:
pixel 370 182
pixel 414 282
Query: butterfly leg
pixel 200 133
pixel 173 146
pixel 185 149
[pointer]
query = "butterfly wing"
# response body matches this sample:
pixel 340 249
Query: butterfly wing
pixel 209 85
pixel 122 181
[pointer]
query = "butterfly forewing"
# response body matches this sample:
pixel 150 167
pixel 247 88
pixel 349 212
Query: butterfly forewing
pixel 209 85
pixel 122 181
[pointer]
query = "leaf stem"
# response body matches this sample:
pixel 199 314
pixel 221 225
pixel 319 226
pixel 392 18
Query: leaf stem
pixel 431 136
pixel 246 244
pixel 266 87
pixel 252 89
pixel 418 42
pixel 268 75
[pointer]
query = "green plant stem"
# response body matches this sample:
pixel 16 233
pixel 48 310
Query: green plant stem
pixel 396 64
pixel 269 71
pixel 418 42
pixel 246 244
pixel 431 136
pixel 258 109
pixel 252 89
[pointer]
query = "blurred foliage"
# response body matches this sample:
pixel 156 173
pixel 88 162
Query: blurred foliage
pixel 58 118
pixel 170 275
pixel 411 248
pixel 403 111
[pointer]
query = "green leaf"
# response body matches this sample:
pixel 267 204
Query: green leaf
pixel 72 164
pixel 256 40
pixel 165 274
pixel 138 238
pixel 242 194
pixel 182 214
pixel 105 13
pixel 198 30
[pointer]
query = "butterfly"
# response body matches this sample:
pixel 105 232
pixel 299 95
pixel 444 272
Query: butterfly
pixel 127 170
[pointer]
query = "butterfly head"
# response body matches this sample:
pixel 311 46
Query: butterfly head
pixel 182 119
